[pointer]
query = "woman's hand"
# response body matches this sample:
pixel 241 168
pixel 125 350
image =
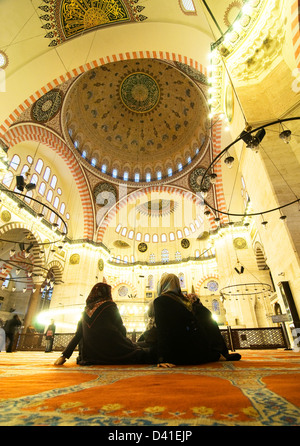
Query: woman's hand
pixel 60 361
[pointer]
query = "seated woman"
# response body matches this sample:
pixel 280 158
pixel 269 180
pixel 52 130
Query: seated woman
pixel 101 334
pixel 180 339
pixel 204 319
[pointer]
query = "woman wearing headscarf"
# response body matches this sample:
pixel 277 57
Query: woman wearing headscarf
pixel 180 339
pixel 102 334
pixel 205 320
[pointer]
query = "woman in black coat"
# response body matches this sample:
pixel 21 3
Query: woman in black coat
pixel 180 339
pixel 102 335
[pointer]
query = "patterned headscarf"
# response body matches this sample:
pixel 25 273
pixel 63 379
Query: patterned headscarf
pixel 100 293
pixel 169 283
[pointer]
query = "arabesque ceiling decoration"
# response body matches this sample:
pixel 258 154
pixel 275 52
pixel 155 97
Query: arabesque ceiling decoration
pixel 137 116
pixel 66 19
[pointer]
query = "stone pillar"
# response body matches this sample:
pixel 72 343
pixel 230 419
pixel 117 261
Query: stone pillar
pixel 33 302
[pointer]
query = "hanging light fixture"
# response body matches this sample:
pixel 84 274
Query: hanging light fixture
pixel 229 160
pixel 213 178
pixel 286 136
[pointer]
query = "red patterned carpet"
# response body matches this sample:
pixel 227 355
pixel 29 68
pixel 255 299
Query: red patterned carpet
pixel 263 389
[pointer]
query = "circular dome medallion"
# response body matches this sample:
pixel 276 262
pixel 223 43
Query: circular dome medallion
pixel 47 106
pixel 139 92
pixel 185 243
pixel 142 247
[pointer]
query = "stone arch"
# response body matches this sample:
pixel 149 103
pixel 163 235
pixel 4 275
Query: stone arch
pixel 260 257
pixel 57 269
pixel 139 193
pixel 125 283
pixel 34 259
pixel 30 132
pixel 204 279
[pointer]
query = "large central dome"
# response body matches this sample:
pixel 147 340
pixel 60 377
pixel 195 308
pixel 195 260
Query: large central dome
pixel 141 117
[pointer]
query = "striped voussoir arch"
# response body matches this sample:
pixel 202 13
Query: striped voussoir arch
pixel 295 25
pixel 32 263
pixel 57 269
pixel 109 218
pixel 217 145
pixel 204 279
pixel 30 132
pixel 125 283
pixel 162 55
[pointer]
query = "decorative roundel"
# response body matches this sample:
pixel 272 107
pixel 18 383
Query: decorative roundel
pixel 74 259
pixel 5 216
pixel 101 265
pixel 142 247
pixel 139 92
pixel 47 106
pixel 212 285
pixel 123 291
pixel 196 179
pixel 239 243
pixel 185 243
pixel 104 194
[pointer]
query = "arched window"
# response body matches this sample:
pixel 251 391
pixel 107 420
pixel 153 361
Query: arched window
pixel 53 181
pixel 46 175
pixel 125 176
pixel 39 165
pixel 158 175
pixel 118 227
pixel 7 179
pixel 28 195
pixel 130 234
pixel 197 253
pixel 188 6
pixel 56 202
pixel 179 234
pixel 138 236
pixel 124 231
pixel 114 173
pixel 177 256
pixel 93 162
pixel 42 189
pixel 155 238
pixel 62 208
pixel 163 237
pixel 165 256
pixel 49 195
pixel 147 238
pixel 15 161
pixel 136 177
pixel 148 177
pixel 125 259
pixel 186 231
pixel 152 258
pixel 172 236
pixel 215 306
pixel 34 179
pixel 150 282
pixel 181 280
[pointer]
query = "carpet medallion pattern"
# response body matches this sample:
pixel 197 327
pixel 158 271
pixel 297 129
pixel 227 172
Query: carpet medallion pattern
pixel 263 389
